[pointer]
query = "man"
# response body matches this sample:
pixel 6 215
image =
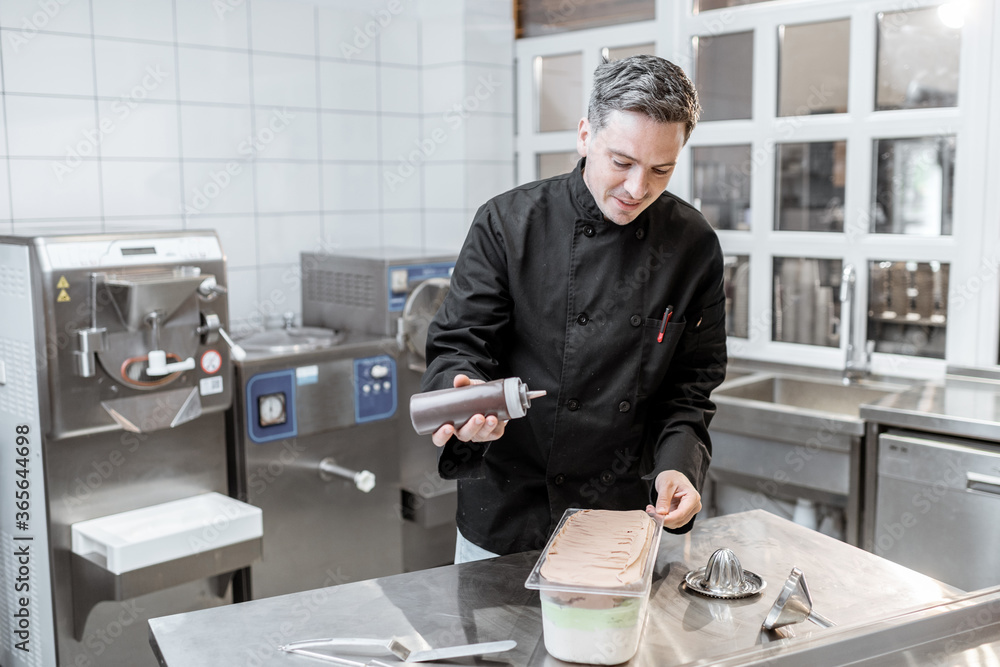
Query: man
pixel 568 283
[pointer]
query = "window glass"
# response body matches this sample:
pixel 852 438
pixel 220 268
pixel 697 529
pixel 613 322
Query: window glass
pixel 736 280
pixel 553 164
pixel 724 75
pixel 918 59
pixel 547 17
pixel 559 91
pixel 619 52
pixel 813 66
pixel 707 5
pixel 809 188
pixel 908 307
pixel 806 301
pixel 914 182
pixel 721 184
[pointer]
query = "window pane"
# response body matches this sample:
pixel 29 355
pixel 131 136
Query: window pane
pixel 559 91
pixel 553 164
pixel 809 194
pixel 706 5
pixel 736 278
pixel 908 307
pixel 913 186
pixel 619 52
pixel 813 66
pixel 724 75
pixel 806 301
pixel 721 186
pixel 917 60
pixel 547 17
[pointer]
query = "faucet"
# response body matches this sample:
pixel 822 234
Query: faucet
pixel 854 368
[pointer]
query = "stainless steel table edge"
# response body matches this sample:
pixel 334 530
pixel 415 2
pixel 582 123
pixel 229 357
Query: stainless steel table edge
pixel 977 612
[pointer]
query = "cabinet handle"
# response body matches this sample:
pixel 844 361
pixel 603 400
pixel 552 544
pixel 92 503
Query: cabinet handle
pixel 982 483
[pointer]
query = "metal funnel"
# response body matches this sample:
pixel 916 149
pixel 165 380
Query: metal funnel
pixel 794 605
pixel 138 294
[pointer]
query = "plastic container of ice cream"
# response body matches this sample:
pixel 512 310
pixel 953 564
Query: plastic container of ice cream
pixel 594 599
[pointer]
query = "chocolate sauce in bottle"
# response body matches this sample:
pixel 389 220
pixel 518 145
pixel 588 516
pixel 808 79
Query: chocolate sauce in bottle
pixel 504 399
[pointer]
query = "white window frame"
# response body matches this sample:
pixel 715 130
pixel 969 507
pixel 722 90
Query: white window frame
pixel 973 250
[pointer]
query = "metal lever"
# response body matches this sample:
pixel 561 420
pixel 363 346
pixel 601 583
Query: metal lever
pixel 211 289
pixel 91 340
pixel 239 354
pixel 329 470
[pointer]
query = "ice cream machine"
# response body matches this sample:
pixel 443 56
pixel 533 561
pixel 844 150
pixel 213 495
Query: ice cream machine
pixel 394 292
pixel 115 375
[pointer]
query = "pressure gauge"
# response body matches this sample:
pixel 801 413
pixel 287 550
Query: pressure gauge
pixel 271 408
pixel 211 361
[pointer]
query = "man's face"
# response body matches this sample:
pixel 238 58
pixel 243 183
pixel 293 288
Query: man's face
pixel 629 162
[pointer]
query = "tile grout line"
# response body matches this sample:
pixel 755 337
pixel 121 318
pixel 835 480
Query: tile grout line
pixel 378 139
pixel 6 143
pixel 319 132
pixel 180 124
pixel 253 161
pixel 236 105
pixel 420 107
pixel 97 118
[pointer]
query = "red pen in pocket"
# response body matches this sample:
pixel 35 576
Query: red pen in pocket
pixel 663 325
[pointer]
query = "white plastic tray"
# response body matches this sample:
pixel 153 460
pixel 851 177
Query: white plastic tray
pixel 162 533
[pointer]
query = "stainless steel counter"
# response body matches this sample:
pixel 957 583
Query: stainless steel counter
pixel 487 601
pixel 958 406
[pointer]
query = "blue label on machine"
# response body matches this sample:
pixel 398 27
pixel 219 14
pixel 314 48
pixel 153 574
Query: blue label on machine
pixel 400 279
pixel 271 406
pixel 374 388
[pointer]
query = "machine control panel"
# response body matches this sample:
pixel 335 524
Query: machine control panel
pixel 374 388
pixel 270 406
pixel 403 278
pixel 78 254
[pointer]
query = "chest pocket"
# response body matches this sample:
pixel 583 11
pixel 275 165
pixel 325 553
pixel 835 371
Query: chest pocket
pixel 656 357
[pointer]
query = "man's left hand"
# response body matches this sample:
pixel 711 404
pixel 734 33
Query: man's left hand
pixel 676 498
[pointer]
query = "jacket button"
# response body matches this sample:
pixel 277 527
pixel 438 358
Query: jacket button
pixel 640 233
pixel 573 405
pixel 624 406
pixel 559 479
pixel 635 320
pixel 582 319
pixel 589 231
pixel 607 477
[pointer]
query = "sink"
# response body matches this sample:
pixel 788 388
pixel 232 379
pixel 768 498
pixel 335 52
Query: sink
pixel 809 394
pixel 732 374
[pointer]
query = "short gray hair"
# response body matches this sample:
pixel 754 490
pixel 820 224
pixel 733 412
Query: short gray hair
pixel 645 84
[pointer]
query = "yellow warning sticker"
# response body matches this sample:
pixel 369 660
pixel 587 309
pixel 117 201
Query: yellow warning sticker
pixel 62 284
pixel 63 296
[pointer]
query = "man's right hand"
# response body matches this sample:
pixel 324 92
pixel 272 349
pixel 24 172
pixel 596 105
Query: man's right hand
pixel 477 429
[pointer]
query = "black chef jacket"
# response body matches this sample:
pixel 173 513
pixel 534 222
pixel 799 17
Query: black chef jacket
pixel 547 290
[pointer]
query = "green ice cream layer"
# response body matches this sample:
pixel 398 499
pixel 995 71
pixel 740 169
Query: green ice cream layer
pixel 626 615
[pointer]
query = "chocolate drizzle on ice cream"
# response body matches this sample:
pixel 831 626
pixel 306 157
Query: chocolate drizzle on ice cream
pixel 602 548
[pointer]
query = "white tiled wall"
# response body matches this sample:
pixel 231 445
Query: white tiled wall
pixel 285 125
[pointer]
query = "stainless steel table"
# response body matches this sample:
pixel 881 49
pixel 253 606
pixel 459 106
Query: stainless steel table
pixel 487 601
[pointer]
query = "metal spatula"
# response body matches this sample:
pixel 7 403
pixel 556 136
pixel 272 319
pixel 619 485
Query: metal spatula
pixel 398 648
